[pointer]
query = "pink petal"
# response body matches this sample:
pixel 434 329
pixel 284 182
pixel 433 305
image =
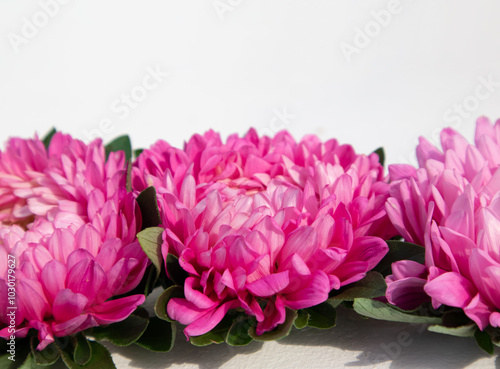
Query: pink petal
pixel 462 248
pixel 77 324
pixel 45 334
pixel 183 311
pixel 369 249
pixel 483 128
pixel 210 319
pixel 88 238
pixel 452 140
pixel 451 289
pixel 315 293
pixel 401 171
pixel 408 268
pixel 68 305
pixel 188 192
pixel 53 277
pixel 407 293
pixel 426 151
pixel 490 150
pixel 395 212
pixel 61 244
pixel 495 319
pixel 32 298
pixel 123 276
pixel 461 218
pixel 274 314
pixel 116 310
pixel 479 311
pixel 351 272
pixel 88 278
pixel 485 272
pixel 302 241
pixel 239 254
pixel 273 233
pixel 255 165
pixel 196 297
pixel 269 285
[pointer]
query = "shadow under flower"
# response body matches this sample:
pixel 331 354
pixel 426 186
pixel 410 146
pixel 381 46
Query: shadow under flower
pixel 392 345
pixel 208 357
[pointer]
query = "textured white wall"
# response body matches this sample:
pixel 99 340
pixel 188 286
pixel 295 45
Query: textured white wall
pixel 172 68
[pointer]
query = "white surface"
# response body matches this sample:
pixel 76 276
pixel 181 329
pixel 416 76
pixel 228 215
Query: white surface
pixel 236 70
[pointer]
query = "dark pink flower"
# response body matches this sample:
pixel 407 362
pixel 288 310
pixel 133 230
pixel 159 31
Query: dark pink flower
pixel 263 224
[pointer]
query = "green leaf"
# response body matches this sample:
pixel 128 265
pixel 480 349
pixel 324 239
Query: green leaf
pixel 150 281
pixel 164 298
pixel 463 331
pixel 138 152
pixel 372 286
pixel 280 331
pixel 175 271
pixel 151 240
pixel 22 351
pixel 379 310
pixel 5 363
pixel 29 363
pixel 101 358
pixel 149 208
pixel 381 155
pixel 399 250
pixel 322 316
pixel 216 335
pixel 302 319
pixel 123 333
pixel 159 336
pixel 48 137
pixel 82 350
pixel 238 333
pixel 121 143
pixel 47 356
pixel 483 340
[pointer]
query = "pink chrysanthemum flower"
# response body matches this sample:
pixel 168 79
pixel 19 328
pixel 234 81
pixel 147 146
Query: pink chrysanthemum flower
pixel 451 206
pixel 67 270
pixel 264 221
pixel 39 182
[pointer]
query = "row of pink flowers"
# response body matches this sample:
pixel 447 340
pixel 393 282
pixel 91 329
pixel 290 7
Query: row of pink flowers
pixel 259 224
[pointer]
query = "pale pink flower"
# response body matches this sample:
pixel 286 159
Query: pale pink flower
pixel 67 270
pixel 451 206
pixel 39 182
pixel 264 221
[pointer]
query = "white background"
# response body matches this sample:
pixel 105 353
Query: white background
pixel 233 64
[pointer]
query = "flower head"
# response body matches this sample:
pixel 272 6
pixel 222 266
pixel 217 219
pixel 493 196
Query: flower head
pixel 450 205
pixel 263 224
pixel 67 270
pixel 70 226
